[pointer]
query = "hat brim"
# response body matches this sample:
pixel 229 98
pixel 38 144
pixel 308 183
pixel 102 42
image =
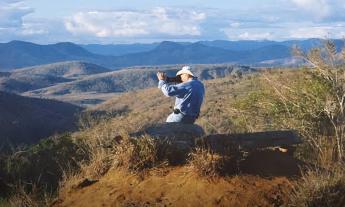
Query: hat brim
pixel 184 72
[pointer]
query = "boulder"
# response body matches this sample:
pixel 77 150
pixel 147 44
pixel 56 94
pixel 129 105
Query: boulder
pixel 176 131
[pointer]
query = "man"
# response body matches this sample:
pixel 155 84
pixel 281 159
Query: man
pixel 189 95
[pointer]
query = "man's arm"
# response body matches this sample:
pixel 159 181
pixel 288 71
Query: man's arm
pixel 167 89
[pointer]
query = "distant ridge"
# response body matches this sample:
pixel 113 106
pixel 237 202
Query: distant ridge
pixel 69 69
pixel 19 54
pixel 241 45
pixel 175 53
pixel 32 78
pixel 119 49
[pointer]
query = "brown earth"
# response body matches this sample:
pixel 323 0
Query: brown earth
pixel 265 180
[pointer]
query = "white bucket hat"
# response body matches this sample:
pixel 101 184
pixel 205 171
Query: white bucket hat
pixel 185 69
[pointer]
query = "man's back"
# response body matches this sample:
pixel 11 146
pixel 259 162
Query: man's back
pixel 189 102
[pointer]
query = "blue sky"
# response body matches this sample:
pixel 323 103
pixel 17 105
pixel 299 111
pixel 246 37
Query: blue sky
pixel 129 21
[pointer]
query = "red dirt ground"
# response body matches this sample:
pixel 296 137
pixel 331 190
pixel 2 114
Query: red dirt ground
pixel 265 180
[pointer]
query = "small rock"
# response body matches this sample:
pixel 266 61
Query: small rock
pixel 86 182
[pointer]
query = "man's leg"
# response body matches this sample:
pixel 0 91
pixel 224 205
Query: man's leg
pixel 174 118
pixel 180 118
pixel 188 119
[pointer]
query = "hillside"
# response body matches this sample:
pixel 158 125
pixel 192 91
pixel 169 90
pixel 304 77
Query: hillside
pixel 72 69
pixel 26 120
pixel 26 79
pixel 267 184
pixel 126 80
pixel 86 83
pixel 122 166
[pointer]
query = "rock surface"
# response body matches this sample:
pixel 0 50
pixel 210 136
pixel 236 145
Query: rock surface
pixel 176 131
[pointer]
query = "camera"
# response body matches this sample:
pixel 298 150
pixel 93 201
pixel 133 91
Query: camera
pixel 176 79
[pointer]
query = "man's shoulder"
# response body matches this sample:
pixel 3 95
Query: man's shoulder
pixel 190 83
pixel 197 81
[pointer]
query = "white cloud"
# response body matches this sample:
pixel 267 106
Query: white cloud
pixel 158 21
pixel 319 8
pixel 285 31
pixel 15 23
pixel 246 33
pixel 310 32
pixel 104 24
pixel 322 31
pixel 255 36
pixel 249 31
pixel 286 19
pixel 12 13
pixel 235 24
pixel 33 28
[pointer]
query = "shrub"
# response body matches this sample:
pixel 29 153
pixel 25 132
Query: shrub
pixel 30 173
pixel 320 188
pixel 210 164
pixel 4 202
pixel 140 153
pixel 206 163
pixel 311 101
pixel 30 196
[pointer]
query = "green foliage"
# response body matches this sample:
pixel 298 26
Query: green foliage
pixel 288 101
pixel 42 164
pixel 4 202
pixel 297 98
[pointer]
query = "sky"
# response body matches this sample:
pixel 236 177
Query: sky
pixel 146 21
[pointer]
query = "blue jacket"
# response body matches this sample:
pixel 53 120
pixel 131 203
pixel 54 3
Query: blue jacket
pixel 189 95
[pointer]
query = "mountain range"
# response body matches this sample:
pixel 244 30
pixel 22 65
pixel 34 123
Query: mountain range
pixel 18 54
pixel 119 49
pixel 242 45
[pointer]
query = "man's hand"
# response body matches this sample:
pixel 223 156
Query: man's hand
pixel 161 76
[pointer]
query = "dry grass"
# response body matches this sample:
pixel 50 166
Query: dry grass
pixel 93 168
pixel 136 154
pixel 206 163
pixel 32 197
pixel 210 164
pixel 140 153
pixel 320 188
